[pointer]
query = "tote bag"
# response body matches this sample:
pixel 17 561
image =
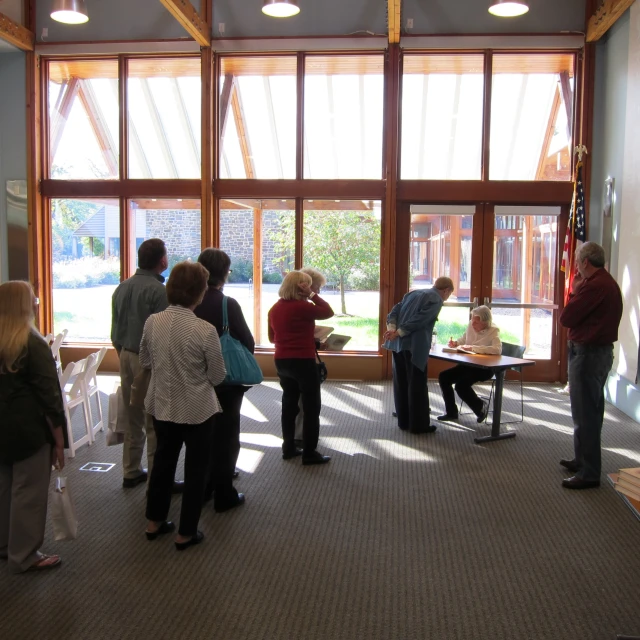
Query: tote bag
pixel 63 512
pixel 241 366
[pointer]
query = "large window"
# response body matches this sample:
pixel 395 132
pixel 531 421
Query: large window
pixel 86 266
pixel 342 241
pixel 343 105
pixel 255 234
pixel 442 107
pixel 531 116
pixel 83 120
pixel 164 118
pixel 258 117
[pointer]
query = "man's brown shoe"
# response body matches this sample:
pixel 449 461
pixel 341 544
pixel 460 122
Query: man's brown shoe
pixel 578 483
pixel 570 465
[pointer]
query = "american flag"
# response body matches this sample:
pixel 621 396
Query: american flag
pixel 576 232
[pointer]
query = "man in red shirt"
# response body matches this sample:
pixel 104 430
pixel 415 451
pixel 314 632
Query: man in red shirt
pixel 592 316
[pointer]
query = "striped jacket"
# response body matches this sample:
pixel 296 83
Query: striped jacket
pixel 183 353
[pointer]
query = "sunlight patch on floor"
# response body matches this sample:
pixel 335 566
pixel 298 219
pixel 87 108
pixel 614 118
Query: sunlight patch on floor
pixel 261 440
pixel 249 410
pixel 627 453
pixel 249 460
pixel 401 452
pixel 348 446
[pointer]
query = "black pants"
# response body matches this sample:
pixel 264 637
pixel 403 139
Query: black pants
pixel 299 378
pixel 464 378
pixel 410 392
pixel 171 436
pixel 225 446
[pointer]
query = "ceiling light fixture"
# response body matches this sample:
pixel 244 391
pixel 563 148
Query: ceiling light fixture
pixel 69 11
pixel 281 8
pixel 508 8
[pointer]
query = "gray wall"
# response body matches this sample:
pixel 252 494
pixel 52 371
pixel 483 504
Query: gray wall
pixel 608 157
pixel 13 137
pixel 610 110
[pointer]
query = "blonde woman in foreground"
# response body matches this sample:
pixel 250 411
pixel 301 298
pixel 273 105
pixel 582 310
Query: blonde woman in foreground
pixel 33 430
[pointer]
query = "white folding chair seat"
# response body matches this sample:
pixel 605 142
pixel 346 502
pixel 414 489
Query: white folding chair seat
pixel 72 385
pixel 90 388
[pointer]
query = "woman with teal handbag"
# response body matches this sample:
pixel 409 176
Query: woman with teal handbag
pixel 226 316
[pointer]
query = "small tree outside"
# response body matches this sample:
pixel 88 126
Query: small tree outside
pixel 343 245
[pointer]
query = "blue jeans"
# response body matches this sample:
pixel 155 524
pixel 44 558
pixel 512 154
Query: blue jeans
pixel 589 366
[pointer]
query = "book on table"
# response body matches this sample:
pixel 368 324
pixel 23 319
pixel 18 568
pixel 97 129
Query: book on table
pixel 631 476
pixel 458 350
pixel 321 333
pixel 336 342
pixel 623 487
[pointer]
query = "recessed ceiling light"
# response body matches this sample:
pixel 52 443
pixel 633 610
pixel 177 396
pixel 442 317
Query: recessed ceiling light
pixel 281 8
pixel 508 8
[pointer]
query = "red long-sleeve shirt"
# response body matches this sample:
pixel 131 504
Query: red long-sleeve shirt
pixel 291 325
pixel 593 313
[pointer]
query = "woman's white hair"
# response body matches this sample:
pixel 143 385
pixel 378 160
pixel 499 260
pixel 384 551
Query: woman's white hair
pixel 484 313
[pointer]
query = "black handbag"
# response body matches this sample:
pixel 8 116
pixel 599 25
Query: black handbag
pixel 322 368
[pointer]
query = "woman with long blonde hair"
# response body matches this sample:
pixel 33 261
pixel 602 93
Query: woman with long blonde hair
pixel 32 430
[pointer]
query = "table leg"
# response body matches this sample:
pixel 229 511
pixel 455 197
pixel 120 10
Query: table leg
pixel 497 413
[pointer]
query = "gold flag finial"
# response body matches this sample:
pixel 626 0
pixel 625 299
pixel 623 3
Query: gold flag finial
pixel 579 151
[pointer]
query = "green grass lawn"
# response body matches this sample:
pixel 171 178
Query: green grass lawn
pixel 86 313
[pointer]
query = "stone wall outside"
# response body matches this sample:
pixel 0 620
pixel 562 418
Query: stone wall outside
pixel 180 229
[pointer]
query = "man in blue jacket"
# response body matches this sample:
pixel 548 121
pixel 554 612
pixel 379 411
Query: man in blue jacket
pixel 409 330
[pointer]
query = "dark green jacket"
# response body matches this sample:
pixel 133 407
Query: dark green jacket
pixel 28 398
pixel 133 301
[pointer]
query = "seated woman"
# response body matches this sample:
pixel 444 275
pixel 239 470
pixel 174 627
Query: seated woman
pixel 184 355
pixel 480 337
pixel 225 445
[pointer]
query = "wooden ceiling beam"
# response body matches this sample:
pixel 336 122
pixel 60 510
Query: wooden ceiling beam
pixel 16 34
pixel 99 126
pixel 606 15
pixel 185 13
pixel 393 18
pixel 63 109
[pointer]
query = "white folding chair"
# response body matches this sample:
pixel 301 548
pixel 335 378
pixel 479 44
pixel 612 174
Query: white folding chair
pixel 55 348
pixel 72 385
pixel 90 388
pixel 49 338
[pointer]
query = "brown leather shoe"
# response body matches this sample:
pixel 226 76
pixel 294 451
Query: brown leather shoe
pixel 578 483
pixel 570 465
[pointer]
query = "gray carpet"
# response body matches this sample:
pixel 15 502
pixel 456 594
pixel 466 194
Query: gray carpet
pixel 400 536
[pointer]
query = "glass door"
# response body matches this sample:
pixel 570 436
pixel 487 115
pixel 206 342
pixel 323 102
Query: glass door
pixel 520 279
pixel 445 240
pixel 505 257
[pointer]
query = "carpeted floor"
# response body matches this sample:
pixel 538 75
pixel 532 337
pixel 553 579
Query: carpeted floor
pixel 399 537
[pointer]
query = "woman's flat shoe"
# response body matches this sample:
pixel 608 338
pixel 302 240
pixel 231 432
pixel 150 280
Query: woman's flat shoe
pixel 197 539
pixel 166 527
pixel 45 562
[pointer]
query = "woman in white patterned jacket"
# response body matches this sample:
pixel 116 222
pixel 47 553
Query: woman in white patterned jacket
pixel 183 353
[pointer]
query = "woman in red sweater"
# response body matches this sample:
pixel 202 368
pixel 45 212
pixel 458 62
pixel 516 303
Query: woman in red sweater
pixel 291 326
